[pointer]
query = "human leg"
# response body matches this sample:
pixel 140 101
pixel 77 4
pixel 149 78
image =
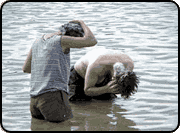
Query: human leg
pixel 76 87
pixel 35 112
pixel 53 107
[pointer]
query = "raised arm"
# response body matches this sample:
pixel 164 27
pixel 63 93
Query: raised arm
pixel 78 42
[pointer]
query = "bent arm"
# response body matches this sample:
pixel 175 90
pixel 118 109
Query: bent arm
pixel 78 42
pixel 27 64
pixel 91 79
pixel 96 91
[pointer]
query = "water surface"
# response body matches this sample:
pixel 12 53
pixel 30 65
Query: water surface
pixel 147 32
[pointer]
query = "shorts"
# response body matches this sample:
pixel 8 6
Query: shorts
pixel 51 106
pixel 76 88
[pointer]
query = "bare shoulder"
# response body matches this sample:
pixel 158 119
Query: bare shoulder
pixel 86 63
pixel 127 61
pixel 49 35
pixel 97 68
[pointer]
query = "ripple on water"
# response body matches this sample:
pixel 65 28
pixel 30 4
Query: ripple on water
pixel 147 32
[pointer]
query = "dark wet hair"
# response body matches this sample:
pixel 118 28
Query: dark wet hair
pixel 128 82
pixel 72 29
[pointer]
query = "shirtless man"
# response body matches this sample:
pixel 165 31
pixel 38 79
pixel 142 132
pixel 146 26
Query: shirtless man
pixel 101 74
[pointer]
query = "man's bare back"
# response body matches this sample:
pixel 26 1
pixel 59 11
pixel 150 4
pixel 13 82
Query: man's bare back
pixel 102 58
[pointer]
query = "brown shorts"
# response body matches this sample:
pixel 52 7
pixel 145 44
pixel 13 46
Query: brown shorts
pixel 51 106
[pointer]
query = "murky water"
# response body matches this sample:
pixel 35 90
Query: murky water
pixel 147 32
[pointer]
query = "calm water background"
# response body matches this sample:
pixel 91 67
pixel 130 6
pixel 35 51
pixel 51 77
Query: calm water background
pixel 147 32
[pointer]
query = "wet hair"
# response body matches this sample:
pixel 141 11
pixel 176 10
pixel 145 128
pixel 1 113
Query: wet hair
pixel 128 82
pixel 72 29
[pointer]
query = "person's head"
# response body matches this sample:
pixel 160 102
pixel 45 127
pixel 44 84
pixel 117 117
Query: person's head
pixel 72 29
pixel 126 80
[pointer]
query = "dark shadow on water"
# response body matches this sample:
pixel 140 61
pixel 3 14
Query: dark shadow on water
pixel 89 116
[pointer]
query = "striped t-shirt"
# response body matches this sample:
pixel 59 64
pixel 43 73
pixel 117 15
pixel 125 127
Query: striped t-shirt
pixel 50 67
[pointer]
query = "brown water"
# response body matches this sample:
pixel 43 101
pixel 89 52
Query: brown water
pixel 147 32
pixel 97 115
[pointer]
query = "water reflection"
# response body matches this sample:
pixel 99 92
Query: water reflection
pixel 89 116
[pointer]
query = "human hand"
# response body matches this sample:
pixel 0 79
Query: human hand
pixel 112 87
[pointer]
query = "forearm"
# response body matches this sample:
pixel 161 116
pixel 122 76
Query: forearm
pixel 87 40
pixel 95 91
pixel 88 34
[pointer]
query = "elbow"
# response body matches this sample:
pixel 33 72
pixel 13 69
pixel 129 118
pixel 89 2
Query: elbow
pixel 90 41
pixel 89 92
pixel 93 42
pixel 25 71
pixel 86 91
